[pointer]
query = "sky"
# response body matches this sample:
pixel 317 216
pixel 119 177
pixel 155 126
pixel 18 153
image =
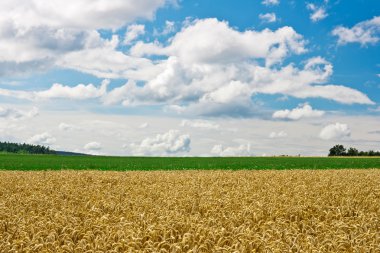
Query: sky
pixel 190 78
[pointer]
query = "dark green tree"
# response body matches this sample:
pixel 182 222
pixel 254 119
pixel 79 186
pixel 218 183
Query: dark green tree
pixel 337 150
pixel 371 153
pixel 352 152
pixel 9 147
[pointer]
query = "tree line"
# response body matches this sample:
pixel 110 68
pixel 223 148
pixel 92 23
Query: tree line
pixel 340 150
pixel 24 148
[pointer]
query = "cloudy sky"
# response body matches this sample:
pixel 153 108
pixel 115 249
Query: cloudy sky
pixel 185 78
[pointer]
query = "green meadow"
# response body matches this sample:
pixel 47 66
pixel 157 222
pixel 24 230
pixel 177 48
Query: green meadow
pixel 58 162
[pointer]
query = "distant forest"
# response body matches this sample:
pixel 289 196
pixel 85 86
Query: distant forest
pixel 340 150
pixel 24 148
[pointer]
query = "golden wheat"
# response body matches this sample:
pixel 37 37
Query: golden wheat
pixel 190 211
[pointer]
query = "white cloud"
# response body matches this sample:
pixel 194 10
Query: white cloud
pixel 305 83
pixel 241 150
pixel 270 2
pixel 133 32
pixel 78 92
pixel 104 61
pixel 168 29
pixel 207 47
pixel 366 32
pixel 169 143
pixel 205 124
pixel 280 134
pixel 199 73
pixel 317 12
pixel 42 139
pixel 214 72
pixel 210 75
pixel 338 93
pixel 44 44
pixel 302 111
pixel 36 48
pixel 268 17
pixel 119 94
pixel 213 85
pixel 93 146
pixel 79 14
pixel 335 131
pixel 35 34
pixel 228 93
pixel 16 114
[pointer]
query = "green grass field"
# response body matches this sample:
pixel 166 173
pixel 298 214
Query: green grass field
pixel 55 162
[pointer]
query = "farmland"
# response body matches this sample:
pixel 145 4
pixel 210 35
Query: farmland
pixel 190 211
pixel 53 203
pixel 57 162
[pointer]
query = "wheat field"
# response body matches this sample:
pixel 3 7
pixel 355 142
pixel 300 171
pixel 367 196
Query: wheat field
pixel 190 211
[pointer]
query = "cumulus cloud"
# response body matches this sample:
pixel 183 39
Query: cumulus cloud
pixel 270 2
pixel 365 32
pixel 93 146
pixel 78 92
pixel 42 139
pixel 338 93
pixel 302 111
pixel 335 131
pixel 280 134
pixel 306 83
pixel 45 41
pixel 133 32
pixel 317 12
pixel 198 73
pixel 268 17
pixel 37 48
pixel 79 14
pixel 105 61
pixel 166 144
pixel 241 150
pixel 205 124
pixel 16 114
pixel 119 94
pixel 210 75
pixel 36 34
pixel 207 47
pixel 228 93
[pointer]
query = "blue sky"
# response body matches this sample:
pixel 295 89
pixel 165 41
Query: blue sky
pixel 186 78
